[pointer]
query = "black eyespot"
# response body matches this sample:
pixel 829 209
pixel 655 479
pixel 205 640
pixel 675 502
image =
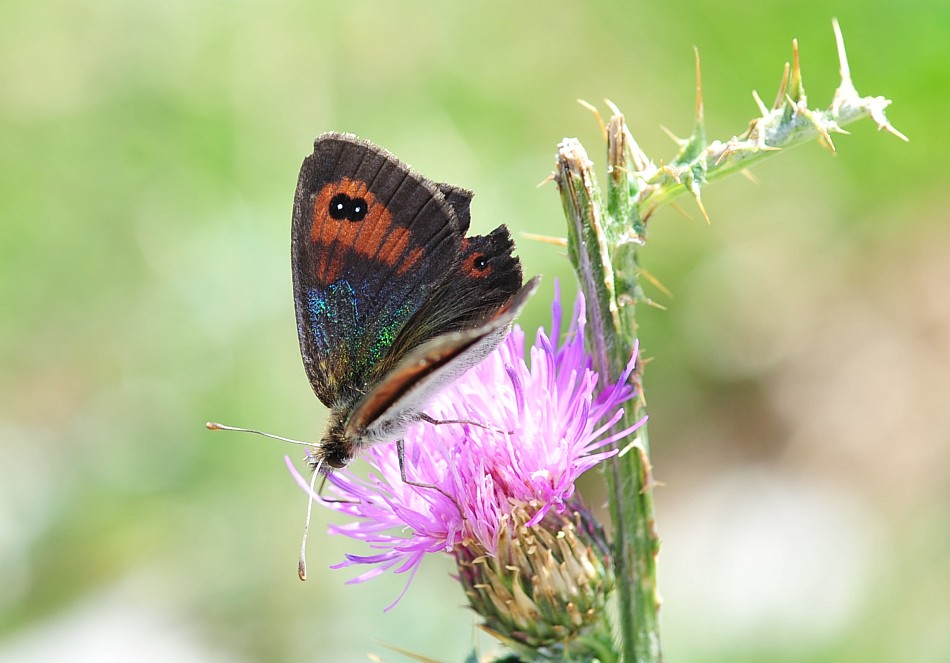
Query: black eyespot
pixel 358 211
pixel 343 207
pixel 480 263
pixel 338 206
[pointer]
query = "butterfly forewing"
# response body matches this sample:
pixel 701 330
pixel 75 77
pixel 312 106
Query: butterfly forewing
pixel 371 240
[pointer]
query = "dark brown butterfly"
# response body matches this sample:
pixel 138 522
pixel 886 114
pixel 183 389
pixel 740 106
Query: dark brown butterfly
pixel 393 300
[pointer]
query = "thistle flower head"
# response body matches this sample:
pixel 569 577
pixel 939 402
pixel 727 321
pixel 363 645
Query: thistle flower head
pixel 544 591
pixel 504 487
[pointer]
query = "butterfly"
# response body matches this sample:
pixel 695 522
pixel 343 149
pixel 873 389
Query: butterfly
pixel 393 301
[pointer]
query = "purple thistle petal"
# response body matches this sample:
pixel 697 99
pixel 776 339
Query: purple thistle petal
pixel 556 311
pixel 303 483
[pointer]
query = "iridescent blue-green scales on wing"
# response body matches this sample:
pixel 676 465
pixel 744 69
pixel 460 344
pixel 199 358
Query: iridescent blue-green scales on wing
pixel 346 355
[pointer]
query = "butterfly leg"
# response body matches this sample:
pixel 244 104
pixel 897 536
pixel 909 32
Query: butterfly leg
pixel 429 420
pixel 401 455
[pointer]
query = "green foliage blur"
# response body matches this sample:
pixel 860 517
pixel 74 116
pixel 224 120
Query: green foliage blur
pixel 799 376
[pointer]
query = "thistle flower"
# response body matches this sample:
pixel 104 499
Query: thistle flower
pixel 531 558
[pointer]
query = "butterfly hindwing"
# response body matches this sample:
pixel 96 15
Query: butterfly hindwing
pixel 371 240
pixel 460 200
pixel 486 278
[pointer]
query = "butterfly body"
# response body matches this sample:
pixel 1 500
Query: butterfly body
pixel 393 301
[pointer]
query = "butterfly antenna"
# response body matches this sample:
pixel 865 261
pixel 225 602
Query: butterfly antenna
pixel 211 425
pixel 302 562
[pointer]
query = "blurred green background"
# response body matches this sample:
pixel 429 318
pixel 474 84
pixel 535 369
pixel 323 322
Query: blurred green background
pixel 799 388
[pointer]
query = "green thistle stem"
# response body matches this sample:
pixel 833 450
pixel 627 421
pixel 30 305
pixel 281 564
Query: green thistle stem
pixel 635 543
pixel 605 235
